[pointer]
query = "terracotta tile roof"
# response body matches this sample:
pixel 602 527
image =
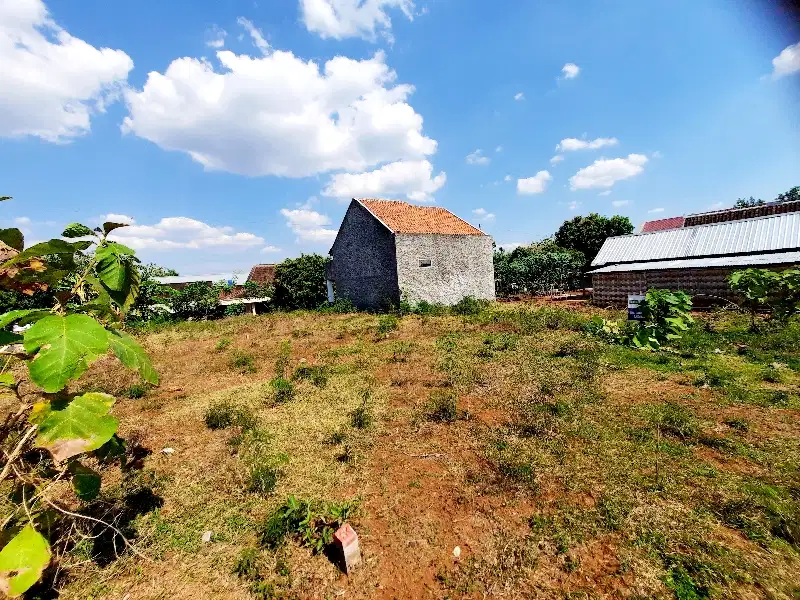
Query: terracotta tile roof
pixel 402 217
pixel 737 214
pixel 662 224
pixel 262 274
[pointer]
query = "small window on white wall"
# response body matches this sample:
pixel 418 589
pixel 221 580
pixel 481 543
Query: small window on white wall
pixel 424 262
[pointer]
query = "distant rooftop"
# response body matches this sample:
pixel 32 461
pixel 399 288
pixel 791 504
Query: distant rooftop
pixel 662 224
pixel 402 217
pixel 212 278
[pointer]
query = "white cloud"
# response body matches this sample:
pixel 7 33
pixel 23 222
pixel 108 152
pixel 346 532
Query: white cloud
pixel 573 205
pixel 556 159
pixel 507 178
pixel 215 37
pixel 340 19
pixel 572 144
pixel 279 115
pixel 510 246
pixel 606 193
pixel 498 149
pixel 118 218
pixel 309 225
pixel 717 206
pixel 270 249
pixel 618 203
pixel 50 82
pixel 22 221
pixel 482 213
pixel 412 178
pixel 534 185
pixel 519 96
pixel 787 62
pixel 255 34
pixel 656 154
pixel 570 71
pixel 604 173
pixel 171 233
pixel 477 158
pixel 655 210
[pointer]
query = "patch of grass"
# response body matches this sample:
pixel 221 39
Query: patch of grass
pixel 771 374
pixel 248 564
pixel 674 419
pixel 224 414
pixel 387 324
pixel 401 350
pixel 316 374
pixel 136 391
pixel 361 417
pixel 442 407
pixel 741 425
pixel 242 362
pixel 511 462
pixel 469 306
pixel 311 523
pixel 282 390
pixel 282 362
pixel 223 344
pixel 497 342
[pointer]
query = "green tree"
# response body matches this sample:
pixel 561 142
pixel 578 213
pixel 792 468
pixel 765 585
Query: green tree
pixel 84 323
pixel 300 282
pixel 748 202
pixel 538 268
pixel 792 195
pixel 587 234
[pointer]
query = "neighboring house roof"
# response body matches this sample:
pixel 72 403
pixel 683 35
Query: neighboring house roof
pixel 737 260
pixel 402 217
pixel 737 214
pixel 662 224
pixel 262 274
pixel 774 233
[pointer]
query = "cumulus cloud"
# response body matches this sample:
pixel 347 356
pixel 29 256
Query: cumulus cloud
pixel 22 221
pixel 606 193
pixel 477 158
pixel 618 203
pixel 172 233
pixel 309 225
pixel 270 249
pixel 604 173
pixel 340 19
pixel 787 62
pixel 655 210
pixel 483 214
pixel 498 149
pixel 279 115
pixel 573 205
pixel 519 96
pixel 413 178
pixel 570 71
pixel 534 185
pixel 573 144
pixel 52 83
pixel 507 178
pixel 215 37
pixel 556 159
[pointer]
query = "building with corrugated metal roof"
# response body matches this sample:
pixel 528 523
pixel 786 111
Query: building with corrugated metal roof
pixel 695 258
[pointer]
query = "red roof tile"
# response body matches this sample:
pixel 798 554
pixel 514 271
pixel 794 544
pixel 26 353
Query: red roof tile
pixel 262 274
pixel 662 224
pixel 402 217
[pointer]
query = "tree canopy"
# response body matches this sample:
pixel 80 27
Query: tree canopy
pixel 300 282
pixel 587 234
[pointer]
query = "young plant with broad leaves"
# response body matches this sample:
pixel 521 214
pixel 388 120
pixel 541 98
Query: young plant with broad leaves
pixel 52 436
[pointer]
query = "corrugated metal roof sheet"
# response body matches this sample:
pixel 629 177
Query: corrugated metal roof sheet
pixel 778 258
pixel 775 232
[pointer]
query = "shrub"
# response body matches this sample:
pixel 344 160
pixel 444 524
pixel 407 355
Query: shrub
pixel 248 564
pixel 300 282
pixel 762 289
pixel 197 300
pixel 442 407
pixel 224 413
pixel 136 391
pixel 340 306
pixel 282 389
pixel 282 362
pixel 361 417
pixel 537 269
pixel 317 375
pixel 387 324
pixel 674 419
pixel 312 523
pixel 401 350
pixel 243 362
pixel 666 316
pixel 223 344
pixel 469 305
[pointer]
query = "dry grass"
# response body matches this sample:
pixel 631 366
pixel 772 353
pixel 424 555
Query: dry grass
pixel 574 469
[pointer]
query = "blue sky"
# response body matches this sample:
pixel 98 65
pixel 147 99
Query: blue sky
pixel 231 133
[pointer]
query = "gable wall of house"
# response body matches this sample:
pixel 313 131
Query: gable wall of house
pixel 364 269
pixel 460 265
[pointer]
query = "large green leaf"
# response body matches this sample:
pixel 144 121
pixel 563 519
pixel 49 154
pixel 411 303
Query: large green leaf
pixel 82 424
pixel 85 481
pixel 13 237
pixel 76 230
pixel 24 316
pixel 110 226
pixel 132 355
pixel 22 561
pixel 64 347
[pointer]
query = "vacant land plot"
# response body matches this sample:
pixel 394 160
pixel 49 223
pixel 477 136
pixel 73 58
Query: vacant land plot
pixel 560 466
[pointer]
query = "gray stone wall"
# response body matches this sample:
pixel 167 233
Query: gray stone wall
pixel 461 265
pixel 364 269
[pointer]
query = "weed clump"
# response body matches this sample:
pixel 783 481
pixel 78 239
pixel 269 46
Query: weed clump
pixel 223 345
pixel 248 564
pixel 136 391
pixel 316 374
pixel 674 419
pixel 311 523
pixel 469 306
pixel 242 362
pixel 282 362
pixel 387 324
pixel 443 407
pixel 401 350
pixel 361 417
pixel 224 414
pixel 282 390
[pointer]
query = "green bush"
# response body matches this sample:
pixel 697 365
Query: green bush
pixel 387 324
pixel 312 523
pixel 361 417
pixel 340 306
pixel 537 269
pixel 136 391
pixel 442 407
pixel 300 282
pixel 775 291
pixel 225 413
pixel 469 306
pixel 282 390
pixel 198 300
pixel 223 344
pixel 243 362
pixel 316 374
